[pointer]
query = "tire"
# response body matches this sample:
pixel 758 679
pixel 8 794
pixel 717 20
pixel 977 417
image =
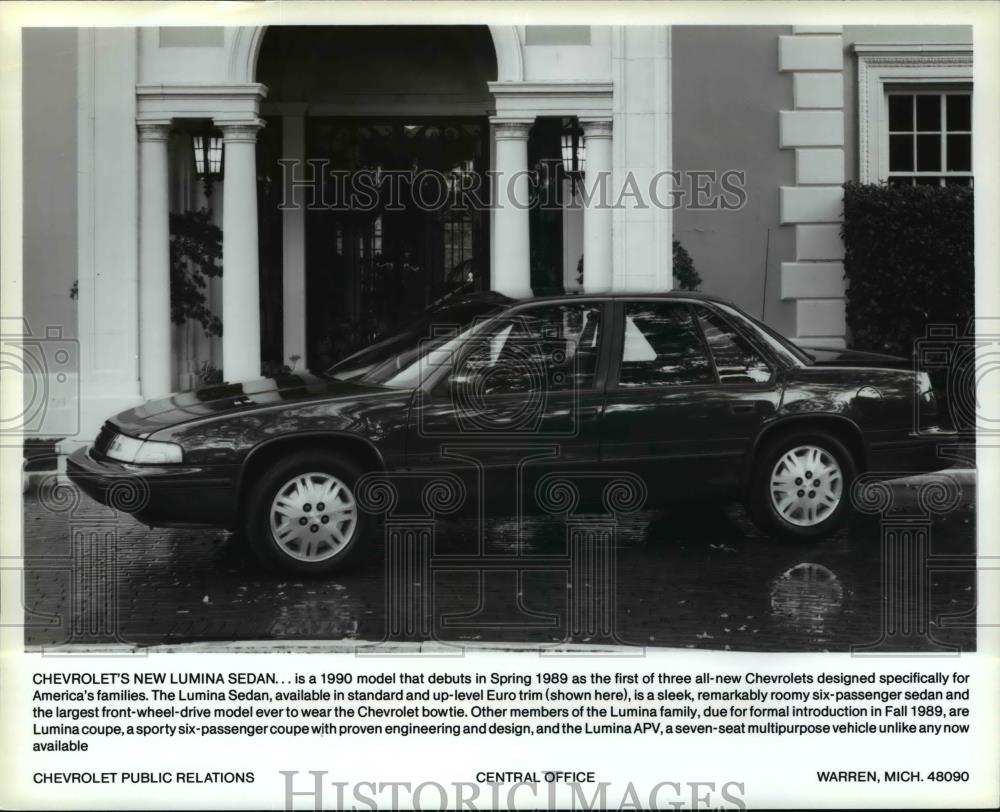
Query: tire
pixel 801 484
pixel 334 531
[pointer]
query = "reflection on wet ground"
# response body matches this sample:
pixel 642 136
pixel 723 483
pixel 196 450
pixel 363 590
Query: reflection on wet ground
pixel 702 577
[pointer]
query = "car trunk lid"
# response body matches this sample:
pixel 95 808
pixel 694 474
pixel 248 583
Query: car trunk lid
pixel 831 357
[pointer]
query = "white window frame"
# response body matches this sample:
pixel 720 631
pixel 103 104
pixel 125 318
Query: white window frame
pixel 881 66
pixel 939 92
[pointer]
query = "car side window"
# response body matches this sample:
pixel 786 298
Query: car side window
pixel 662 347
pixel 736 360
pixel 549 348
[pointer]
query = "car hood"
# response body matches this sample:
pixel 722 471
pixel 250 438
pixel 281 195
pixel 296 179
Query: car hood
pixel 828 357
pixel 211 401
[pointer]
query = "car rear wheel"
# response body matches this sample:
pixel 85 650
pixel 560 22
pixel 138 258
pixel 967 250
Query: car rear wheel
pixel 801 486
pixel 303 514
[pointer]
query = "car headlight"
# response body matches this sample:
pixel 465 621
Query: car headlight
pixel 131 449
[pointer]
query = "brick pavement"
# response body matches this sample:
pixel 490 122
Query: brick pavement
pixel 700 578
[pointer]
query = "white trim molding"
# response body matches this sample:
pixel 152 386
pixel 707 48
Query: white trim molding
pixel 510 52
pixel 814 128
pixel 107 155
pixel 880 64
pixel 641 148
pixel 226 104
pixel 527 100
pixel 244 44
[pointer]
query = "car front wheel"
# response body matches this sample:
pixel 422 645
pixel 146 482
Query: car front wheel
pixel 303 514
pixel 801 486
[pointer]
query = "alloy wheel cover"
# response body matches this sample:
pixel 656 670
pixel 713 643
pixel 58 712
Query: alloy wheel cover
pixel 806 485
pixel 313 517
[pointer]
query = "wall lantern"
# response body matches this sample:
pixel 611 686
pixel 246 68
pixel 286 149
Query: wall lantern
pixel 573 148
pixel 207 147
pixel 574 151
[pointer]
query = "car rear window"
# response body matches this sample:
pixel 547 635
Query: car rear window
pixel 736 360
pixel 662 347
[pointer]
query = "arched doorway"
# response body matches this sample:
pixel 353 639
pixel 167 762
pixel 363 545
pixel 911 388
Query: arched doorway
pixel 383 101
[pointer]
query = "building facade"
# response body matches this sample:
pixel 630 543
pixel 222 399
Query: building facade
pixel 733 141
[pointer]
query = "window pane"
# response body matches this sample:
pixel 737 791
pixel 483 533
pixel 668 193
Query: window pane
pixel 900 153
pixel 959 112
pixel 551 348
pixel 958 181
pixel 928 181
pixel 901 113
pixel 928 153
pixel 735 359
pixel 928 112
pixel 959 153
pixel 900 181
pixel 662 347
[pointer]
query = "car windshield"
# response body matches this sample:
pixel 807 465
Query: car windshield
pixel 421 355
pixel 437 321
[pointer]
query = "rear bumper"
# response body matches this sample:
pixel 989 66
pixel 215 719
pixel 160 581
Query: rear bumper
pixel 917 453
pixel 173 495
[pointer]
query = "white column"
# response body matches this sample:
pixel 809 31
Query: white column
pixel 641 230
pixel 597 264
pixel 293 225
pixel 511 253
pixel 155 378
pixel 240 264
pixel 572 235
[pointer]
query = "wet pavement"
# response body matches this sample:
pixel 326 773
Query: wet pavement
pixel 697 577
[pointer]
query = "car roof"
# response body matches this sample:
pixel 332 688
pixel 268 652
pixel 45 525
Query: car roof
pixel 471 297
pixel 663 294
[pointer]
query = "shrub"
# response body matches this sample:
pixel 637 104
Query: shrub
pixel 908 261
pixel 909 266
pixel 685 275
pixel 195 254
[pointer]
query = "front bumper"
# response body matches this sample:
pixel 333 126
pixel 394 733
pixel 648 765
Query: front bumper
pixel 917 453
pixel 174 495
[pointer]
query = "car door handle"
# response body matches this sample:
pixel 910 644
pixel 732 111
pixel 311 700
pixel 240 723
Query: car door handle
pixel 743 408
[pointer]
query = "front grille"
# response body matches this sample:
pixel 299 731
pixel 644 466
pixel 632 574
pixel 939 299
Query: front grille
pixel 104 439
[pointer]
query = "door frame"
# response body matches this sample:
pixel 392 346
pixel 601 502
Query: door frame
pixel 617 324
pixel 313 237
pixel 433 384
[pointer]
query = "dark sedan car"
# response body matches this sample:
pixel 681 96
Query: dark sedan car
pixel 681 393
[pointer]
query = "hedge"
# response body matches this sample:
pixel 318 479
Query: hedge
pixel 908 261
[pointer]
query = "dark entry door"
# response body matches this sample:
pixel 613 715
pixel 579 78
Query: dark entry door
pixel 389 233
